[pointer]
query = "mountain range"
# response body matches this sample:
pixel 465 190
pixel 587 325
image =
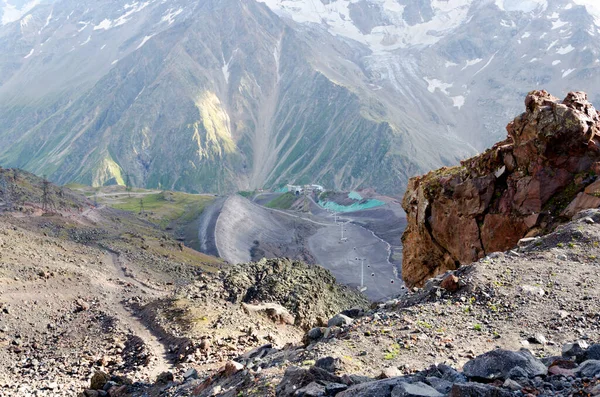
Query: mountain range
pixel 225 95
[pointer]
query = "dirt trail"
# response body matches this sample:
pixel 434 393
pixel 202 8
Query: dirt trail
pixel 159 352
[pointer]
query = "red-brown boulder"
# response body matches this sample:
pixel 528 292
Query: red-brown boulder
pixel 543 173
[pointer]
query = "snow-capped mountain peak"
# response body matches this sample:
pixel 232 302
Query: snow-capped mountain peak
pixel 13 10
pixel 383 25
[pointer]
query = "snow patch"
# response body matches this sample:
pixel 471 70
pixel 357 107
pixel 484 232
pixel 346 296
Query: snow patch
pixel 435 84
pixel 526 35
pixel 472 62
pixel 85 25
pixel 30 54
pixel 565 50
pixel 87 40
pixel 170 15
pixel 552 45
pixel 486 65
pixel 144 40
pixel 104 25
pixel 558 24
pixel 131 9
pixel 47 22
pixel 522 5
pixel 554 63
pixel 567 72
pixel 458 101
pixel 335 17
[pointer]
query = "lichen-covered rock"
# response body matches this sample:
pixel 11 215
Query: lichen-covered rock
pixel 543 173
pixel 309 292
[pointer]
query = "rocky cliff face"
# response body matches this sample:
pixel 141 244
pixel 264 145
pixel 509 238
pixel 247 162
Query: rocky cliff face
pixel 544 172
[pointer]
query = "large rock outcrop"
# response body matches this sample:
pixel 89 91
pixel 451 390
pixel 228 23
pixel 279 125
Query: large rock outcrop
pixel 543 173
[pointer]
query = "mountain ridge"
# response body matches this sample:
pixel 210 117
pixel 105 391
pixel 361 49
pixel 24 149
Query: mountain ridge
pixel 296 103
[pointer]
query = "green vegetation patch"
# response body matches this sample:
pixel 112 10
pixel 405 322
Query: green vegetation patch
pixel 163 208
pixel 246 193
pixel 284 202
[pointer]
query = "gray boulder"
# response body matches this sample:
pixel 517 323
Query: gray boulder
pixel 294 378
pixel 332 389
pixel 380 388
pixel 497 364
pixel 339 320
pixel 574 349
pixel 314 335
pixel 477 390
pixel 313 389
pixel 589 369
pixel 593 353
pixel 441 385
pixel 418 389
pixel 329 364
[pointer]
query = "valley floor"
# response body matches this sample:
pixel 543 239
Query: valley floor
pixel 240 230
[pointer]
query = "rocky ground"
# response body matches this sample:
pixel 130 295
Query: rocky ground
pixel 96 302
pixel 523 322
pixel 87 290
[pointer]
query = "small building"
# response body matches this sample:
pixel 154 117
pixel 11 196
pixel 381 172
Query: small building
pixel 297 190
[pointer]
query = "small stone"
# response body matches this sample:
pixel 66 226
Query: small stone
pixel 232 367
pixel 165 378
pixel 511 385
pixel 538 338
pixel 190 374
pixel 313 335
pixel 339 320
pixel 391 372
pixel 531 290
pixel 450 283
pixel 81 305
pixel 589 221
pixel 52 386
pixel 99 380
pixel 355 312
pixel 574 349
pixel 556 370
pixel 527 241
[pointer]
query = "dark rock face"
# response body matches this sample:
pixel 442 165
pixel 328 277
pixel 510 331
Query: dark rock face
pixel 544 172
pixel 500 364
